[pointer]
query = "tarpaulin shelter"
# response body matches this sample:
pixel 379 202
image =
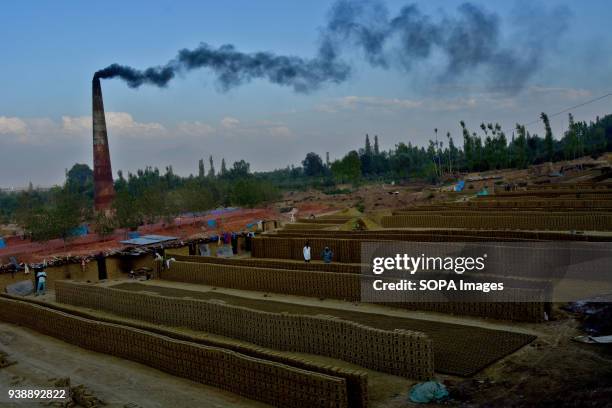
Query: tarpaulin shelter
pixel 79 231
pixel 133 234
pixel 148 240
pixel 460 185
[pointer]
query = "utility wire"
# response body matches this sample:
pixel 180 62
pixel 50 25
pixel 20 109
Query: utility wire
pixel 570 108
pixel 565 110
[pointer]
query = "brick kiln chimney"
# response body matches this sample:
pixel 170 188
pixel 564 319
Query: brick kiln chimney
pixel 104 191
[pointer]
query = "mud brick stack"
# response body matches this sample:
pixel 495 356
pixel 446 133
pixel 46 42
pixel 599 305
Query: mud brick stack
pixel 556 193
pixel 492 212
pixel 399 352
pixel 325 220
pixel 345 251
pixel 443 235
pixel 305 226
pixel 535 203
pixel 274 264
pixel 273 383
pixel 518 221
pixel 356 380
pixel 291 282
pixel 518 304
pixel 424 236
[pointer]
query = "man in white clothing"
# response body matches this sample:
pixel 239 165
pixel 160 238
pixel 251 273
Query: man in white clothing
pixel 307 252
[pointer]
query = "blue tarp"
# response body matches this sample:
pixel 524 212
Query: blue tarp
pixel 160 238
pixel 426 392
pixel 133 234
pixel 148 240
pixel 2 243
pixel 483 192
pixel 79 231
pixel 21 288
pixel 459 186
pixel 212 223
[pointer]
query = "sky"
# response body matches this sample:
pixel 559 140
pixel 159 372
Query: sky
pixel 49 52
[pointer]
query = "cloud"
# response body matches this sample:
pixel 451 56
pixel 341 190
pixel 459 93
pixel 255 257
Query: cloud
pixel 395 105
pixel 12 126
pixel 118 123
pixel 195 128
pixel 123 126
pixel 281 132
pixel 371 102
pixel 42 131
pixel 564 93
pixel 229 122
pixel 233 129
pixel 476 98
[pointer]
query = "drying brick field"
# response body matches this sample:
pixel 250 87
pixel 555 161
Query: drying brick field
pixel 268 327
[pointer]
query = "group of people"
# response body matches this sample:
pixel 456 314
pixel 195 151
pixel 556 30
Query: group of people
pixel 327 254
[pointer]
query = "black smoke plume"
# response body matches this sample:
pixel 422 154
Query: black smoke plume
pixel 469 41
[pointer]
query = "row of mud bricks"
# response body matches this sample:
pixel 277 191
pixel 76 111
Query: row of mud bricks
pixel 383 236
pixel 346 251
pixel 517 306
pixel 273 263
pixel 266 381
pixel 574 193
pixel 350 250
pixel 442 235
pixel 346 248
pixel 557 204
pixel 512 212
pixel 582 222
pixel 400 352
pixel 342 286
pixel 305 226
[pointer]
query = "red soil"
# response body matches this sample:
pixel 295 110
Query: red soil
pixel 183 228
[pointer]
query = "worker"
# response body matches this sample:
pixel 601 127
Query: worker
pixel 169 261
pixel 41 276
pixel 327 255
pixel 307 252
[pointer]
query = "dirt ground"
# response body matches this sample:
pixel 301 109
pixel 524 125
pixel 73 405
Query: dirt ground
pixel 553 371
pixel 40 360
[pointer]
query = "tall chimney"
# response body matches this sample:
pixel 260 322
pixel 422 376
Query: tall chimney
pixel 104 191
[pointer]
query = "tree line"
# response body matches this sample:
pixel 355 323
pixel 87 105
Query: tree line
pixel 150 195
pixel 487 147
pixel 146 196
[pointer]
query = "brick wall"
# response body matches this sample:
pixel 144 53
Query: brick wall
pixel 567 222
pixel 399 352
pixel 258 379
pixel 291 282
pixel 348 287
pixel 274 264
